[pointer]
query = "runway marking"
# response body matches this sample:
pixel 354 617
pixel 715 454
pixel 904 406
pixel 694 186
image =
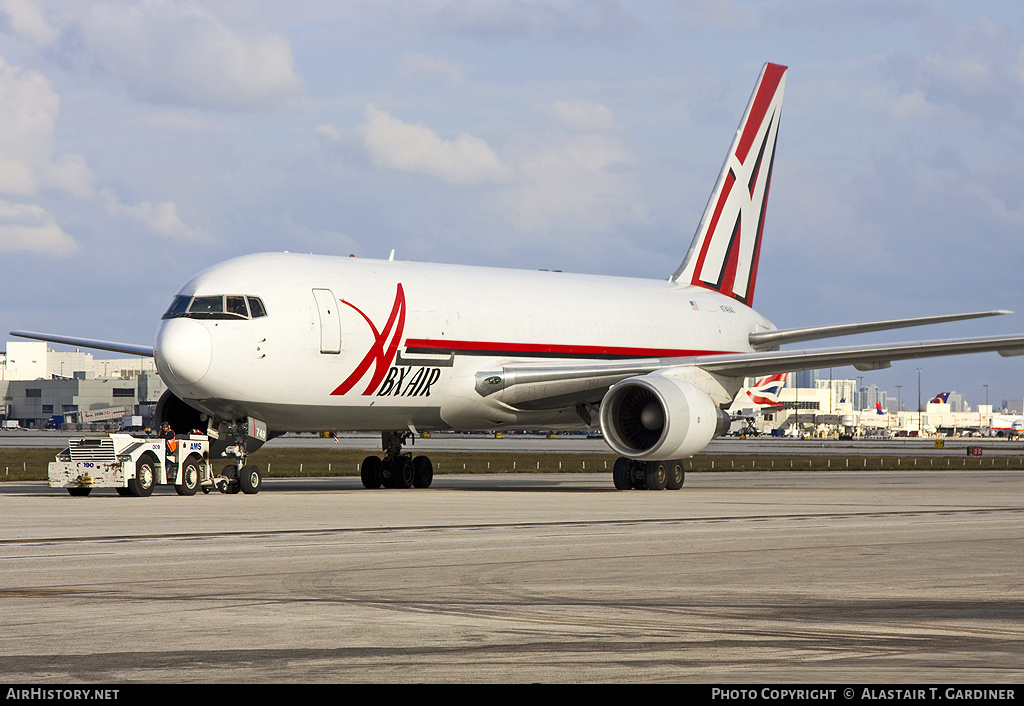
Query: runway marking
pixel 505 525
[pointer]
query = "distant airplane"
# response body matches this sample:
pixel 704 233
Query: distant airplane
pixel 1006 425
pixel 276 342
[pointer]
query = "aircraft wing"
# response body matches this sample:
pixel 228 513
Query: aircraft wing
pixel 545 386
pixel 864 357
pixel 771 340
pixel 129 348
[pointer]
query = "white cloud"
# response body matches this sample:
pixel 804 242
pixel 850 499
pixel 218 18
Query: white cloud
pixel 328 132
pixel 28 21
pixel 912 106
pixel 31 163
pixel 584 115
pixel 29 160
pixel 422 66
pixel 414 148
pixel 28 113
pixel 169 52
pixel 162 217
pixel 30 227
pixel 577 183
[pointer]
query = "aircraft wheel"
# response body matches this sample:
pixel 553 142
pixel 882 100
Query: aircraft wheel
pixel 676 475
pixel 79 492
pixel 423 472
pixel 141 485
pixel 249 480
pixel 229 485
pixel 123 492
pixel 403 473
pixel 369 472
pixel 621 473
pixel 189 477
pixel 657 475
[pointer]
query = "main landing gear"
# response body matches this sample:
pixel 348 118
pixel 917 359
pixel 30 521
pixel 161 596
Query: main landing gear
pixel 630 474
pixel 396 469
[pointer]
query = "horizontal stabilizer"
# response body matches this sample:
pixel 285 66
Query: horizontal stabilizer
pixel 128 348
pixel 773 339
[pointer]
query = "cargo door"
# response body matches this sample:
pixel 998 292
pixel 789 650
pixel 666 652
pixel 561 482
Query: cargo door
pixel 330 320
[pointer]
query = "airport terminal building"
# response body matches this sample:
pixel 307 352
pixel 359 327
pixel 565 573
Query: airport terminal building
pixel 40 387
pixel 807 406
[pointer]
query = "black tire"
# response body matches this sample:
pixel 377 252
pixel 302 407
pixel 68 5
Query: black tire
pixel 123 492
pixel 423 472
pixel 79 492
pixel 189 476
pixel 402 472
pixel 657 475
pixel 230 486
pixel 249 480
pixel 369 472
pixel 141 485
pixel 676 475
pixel 621 472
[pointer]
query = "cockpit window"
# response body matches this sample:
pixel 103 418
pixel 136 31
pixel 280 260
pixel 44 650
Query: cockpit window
pixel 256 307
pixel 207 305
pixel 236 306
pixel 178 307
pixel 231 306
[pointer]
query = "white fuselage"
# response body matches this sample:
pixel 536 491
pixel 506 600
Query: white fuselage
pixel 395 345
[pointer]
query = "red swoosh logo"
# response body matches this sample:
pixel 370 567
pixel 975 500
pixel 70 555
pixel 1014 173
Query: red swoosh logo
pixel 378 356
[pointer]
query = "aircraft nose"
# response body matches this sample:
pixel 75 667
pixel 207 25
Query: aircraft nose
pixel 183 350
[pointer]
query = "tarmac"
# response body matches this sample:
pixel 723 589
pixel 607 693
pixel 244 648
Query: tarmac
pixel 748 577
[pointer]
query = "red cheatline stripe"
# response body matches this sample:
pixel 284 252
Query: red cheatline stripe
pixel 426 345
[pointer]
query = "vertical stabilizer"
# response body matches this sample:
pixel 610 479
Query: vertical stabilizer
pixel 724 253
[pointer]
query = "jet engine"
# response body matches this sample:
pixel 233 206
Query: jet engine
pixel 657 417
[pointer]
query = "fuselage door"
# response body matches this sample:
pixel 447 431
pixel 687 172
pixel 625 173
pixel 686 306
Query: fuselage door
pixel 330 320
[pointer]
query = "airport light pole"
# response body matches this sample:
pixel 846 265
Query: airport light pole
pixel 919 401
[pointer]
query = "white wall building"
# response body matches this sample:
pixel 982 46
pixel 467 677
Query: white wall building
pixel 33 360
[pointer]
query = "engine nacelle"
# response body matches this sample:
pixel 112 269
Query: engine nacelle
pixel 656 418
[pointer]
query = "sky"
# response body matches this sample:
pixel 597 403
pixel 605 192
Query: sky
pixel 142 141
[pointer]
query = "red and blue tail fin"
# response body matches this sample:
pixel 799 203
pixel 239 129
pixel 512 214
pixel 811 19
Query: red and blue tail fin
pixel 767 390
pixel 726 247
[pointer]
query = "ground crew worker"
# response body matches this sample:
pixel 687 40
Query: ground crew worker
pixel 167 434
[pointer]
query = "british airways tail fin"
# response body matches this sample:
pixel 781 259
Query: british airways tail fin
pixel 767 390
pixel 724 253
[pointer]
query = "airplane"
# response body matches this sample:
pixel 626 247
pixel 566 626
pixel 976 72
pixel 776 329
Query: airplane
pixel 270 343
